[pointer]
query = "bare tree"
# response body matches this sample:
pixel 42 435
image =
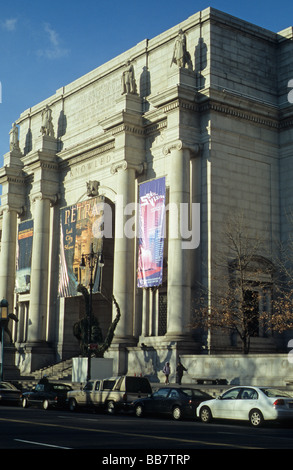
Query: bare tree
pixel 231 303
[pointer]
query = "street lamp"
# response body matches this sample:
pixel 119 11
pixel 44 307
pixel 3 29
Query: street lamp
pixel 92 258
pixel 4 318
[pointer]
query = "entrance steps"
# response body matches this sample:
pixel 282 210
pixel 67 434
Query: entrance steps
pixel 60 371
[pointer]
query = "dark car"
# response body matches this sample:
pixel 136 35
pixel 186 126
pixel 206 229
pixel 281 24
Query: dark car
pixel 9 394
pixel 177 402
pixel 46 395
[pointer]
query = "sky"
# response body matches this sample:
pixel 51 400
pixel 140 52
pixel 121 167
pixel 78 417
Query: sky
pixel 47 45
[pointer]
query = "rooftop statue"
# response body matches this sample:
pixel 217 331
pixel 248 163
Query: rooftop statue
pixel 47 125
pixel 14 142
pixel 128 80
pixel 181 56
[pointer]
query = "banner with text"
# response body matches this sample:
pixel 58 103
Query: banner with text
pixel 24 256
pixel 152 196
pixel 81 225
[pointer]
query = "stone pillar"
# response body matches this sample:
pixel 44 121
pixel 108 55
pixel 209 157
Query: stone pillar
pixel 124 267
pixel 179 257
pixel 8 254
pixel 39 270
pixel 12 180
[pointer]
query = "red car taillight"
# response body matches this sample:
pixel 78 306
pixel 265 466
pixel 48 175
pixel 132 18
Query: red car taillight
pixel 279 402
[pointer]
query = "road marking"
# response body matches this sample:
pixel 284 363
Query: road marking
pixel 41 444
pixel 126 434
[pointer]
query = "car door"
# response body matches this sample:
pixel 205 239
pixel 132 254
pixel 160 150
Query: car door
pixel 97 394
pixel 84 396
pixel 224 406
pixel 37 394
pixel 159 402
pixel 246 402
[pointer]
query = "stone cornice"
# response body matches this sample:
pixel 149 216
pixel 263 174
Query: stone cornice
pixel 11 175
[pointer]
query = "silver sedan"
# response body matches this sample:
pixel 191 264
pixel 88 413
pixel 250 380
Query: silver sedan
pixel 254 404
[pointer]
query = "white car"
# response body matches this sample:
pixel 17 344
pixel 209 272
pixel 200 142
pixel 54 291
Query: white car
pixel 254 404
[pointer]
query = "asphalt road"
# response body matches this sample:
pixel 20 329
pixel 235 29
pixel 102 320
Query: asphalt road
pixel 36 429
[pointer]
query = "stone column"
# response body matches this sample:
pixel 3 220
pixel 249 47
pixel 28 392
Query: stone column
pixel 12 180
pixel 39 270
pixel 124 267
pixel 8 254
pixel 179 254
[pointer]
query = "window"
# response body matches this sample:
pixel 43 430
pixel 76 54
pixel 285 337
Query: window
pixel 162 326
pixel 231 394
pixel 251 299
pixel 249 394
pixel 97 386
pixel 162 393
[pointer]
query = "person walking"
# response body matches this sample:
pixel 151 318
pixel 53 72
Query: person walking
pixel 167 371
pixel 180 369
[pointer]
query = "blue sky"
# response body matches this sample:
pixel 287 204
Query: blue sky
pixel 46 45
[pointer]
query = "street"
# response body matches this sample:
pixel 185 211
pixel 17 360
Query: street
pixel 34 428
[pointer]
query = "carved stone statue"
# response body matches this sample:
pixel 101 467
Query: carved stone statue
pixel 92 188
pixel 47 125
pixel 14 142
pixel 128 80
pixel 80 328
pixel 181 56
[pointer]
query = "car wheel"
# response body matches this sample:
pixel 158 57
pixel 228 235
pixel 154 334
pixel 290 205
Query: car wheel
pixel 24 403
pixel 45 404
pixel 111 408
pixel 138 411
pixel 72 404
pixel 176 412
pixel 256 418
pixel 205 415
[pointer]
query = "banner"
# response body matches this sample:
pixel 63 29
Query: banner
pixel 151 233
pixel 24 256
pixel 81 225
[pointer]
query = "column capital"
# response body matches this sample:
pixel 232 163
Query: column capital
pixel 11 208
pixel 124 165
pixel 181 145
pixel 53 198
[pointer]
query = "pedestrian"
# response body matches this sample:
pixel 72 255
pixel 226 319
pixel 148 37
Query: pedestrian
pixel 167 371
pixel 180 369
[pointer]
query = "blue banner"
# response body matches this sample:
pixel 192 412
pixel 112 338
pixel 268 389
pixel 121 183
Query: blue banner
pixel 152 195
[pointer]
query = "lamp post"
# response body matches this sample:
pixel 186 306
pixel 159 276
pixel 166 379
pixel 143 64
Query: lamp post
pixel 92 258
pixel 4 318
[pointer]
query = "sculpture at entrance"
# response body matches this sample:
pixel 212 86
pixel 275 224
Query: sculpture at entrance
pixel 92 188
pixel 181 56
pixel 80 328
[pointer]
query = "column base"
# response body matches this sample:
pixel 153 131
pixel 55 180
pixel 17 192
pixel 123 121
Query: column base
pixel 32 356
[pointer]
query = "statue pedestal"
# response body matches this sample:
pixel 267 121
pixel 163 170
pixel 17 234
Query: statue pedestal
pixel 101 368
pixel 129 102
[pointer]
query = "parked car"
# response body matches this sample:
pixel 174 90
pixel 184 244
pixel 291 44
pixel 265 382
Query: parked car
pixel 9 394
pixel 111 394
pixel 46 395
pixel 177 402
pixel 254 404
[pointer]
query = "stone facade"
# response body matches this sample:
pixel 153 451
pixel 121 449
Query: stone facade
pixel 215 121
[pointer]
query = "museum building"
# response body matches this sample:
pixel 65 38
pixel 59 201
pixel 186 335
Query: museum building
pixel 142 161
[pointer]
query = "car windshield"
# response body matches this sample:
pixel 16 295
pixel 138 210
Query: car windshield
pixel 6 386
pixel 274 392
